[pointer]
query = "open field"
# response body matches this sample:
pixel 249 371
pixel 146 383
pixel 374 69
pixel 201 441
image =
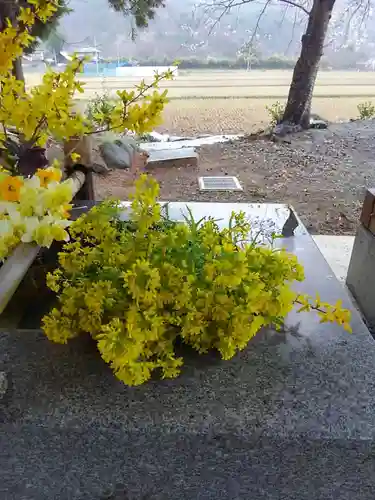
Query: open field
pixel 229 101
pixel 236 116
pixel 233 84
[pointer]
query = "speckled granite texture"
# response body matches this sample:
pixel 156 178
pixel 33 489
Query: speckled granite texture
pixel 290 418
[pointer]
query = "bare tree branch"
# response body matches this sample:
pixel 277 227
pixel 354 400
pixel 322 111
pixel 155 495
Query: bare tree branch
pixel 226 5
pixel 285 11
pixel 256 29
pixel 293 30
pixel 360 7
pixel 297 5
pixel 258 21
pixel 225 10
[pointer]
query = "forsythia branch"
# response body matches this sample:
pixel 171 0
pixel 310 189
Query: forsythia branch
pixel 48 110
pixel 328 313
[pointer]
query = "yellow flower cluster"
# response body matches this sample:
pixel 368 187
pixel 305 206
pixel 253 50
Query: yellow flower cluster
pixel 15 38
pixel 326 312
pixel 140 117
pixel 34 209
pixel 47 110
pixel 137 285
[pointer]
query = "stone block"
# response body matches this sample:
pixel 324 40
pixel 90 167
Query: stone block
pixel 129 144
pixel 115 156
pixel 180 158
pixel 368 208
pixel 318 124
pixel 361 274
pixel 79 145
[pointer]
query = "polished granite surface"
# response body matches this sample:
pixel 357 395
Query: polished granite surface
pixel 292 417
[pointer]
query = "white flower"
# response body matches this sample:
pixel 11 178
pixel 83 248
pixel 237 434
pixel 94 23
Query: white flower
pixel 51 219
pixel 5 206
pixel 14 214
pixel 32 183
pixel 31 225
pixel 45 229
pixel 6 227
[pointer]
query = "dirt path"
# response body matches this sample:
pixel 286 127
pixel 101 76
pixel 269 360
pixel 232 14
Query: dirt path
pixel 323 174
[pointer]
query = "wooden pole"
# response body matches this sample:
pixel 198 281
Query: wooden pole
pixel 17 264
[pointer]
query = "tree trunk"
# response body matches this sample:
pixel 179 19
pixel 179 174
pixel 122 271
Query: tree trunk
pixel 7 10
pixel 18 70
pixel 298 106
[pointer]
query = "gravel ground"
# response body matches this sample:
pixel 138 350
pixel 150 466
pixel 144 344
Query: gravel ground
pixel 323 174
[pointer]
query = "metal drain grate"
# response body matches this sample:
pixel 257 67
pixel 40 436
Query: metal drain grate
pixel 224 183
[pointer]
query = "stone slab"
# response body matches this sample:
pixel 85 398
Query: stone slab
pixel 164 142
pixel 167 158
pixel 368 208
pixel 361 274
pixel 291 417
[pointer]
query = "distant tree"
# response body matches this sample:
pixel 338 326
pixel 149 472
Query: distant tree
pixel 318 14
pixel 54 44
pixel 141 10
pixel 298 107
pixel 41 31
pixel 250 53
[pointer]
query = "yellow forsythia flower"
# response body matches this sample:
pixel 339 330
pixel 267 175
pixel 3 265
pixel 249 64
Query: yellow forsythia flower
pixel 137 287
pixel 75 157
pixel 48 175
pixel 10 188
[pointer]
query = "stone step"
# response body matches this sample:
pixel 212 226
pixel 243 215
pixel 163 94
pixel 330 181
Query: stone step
pixel 337 251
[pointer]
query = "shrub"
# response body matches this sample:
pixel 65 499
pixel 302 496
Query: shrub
pixel 185 63
pixel 100 108
pixel 366 110
pixel 276 112
pixel 137 285
pixel 278 62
